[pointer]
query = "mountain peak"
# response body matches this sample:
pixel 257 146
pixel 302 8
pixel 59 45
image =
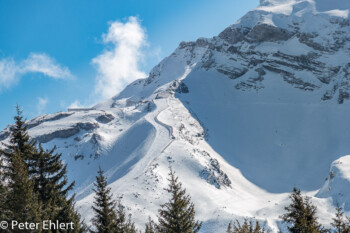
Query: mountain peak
pixel 274 2
pixel 318 5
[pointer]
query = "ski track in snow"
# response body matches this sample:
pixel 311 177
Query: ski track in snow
pixel 168 127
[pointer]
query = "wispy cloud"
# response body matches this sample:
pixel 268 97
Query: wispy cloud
pixel 46 65
pixel 12 71
pixel 76 104
pixel 119 65
pixel 8 72
pixel 41 105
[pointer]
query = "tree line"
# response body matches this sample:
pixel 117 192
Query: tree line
pixel 178 214
pixel 34 187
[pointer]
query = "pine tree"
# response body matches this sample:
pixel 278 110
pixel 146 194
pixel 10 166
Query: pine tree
pixel 151 227
pixel 124 225
pixel 22 202
pixel 109 215
pixel 177 215
pixel 20 139
pixel 229 228
pixel 50 181
pixel 4 213
pixel 19 142
pixel 246 227
pixel 105 220
pixel 67 214
pixel 301 215
pixel 339 223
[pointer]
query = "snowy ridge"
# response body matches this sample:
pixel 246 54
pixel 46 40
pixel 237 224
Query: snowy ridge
pixel 241 117
pixel 337 183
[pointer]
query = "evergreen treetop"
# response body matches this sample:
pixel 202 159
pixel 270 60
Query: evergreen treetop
pixel 301 215
pixel 19 135
pixel 177 215
pixel 104 206
pixel 151 227
pixel 49 175
pixel 20 142
pixel 110 216
pixel 246 227
pixel 124 224
pixel 341 224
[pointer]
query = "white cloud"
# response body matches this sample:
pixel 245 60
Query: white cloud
pixel 75 104
pixel 11 71
pixel 8 71
pixel 46 65
pixel 41 105
pixel 119 65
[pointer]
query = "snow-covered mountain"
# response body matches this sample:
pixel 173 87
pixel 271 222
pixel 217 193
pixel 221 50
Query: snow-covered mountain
pixel 242 118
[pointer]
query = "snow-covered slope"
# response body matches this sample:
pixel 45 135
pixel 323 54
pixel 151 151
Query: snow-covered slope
pixel 337 183
pixel 241 117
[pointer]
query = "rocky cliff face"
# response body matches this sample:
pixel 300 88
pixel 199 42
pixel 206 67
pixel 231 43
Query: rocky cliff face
pixel 241 118
pixel 305 47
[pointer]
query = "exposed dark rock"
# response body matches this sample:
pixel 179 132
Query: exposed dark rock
pixel 76 157
pixel 67 132
pixel 131 103
pixel 4 134
pixel 155 72
pixel 328 74
pixel 149 107
pixel 299 83
pixel 302 62
pixel 182 88
pixel 252 83
pixel 233 35
pixel 214 175
pixel 254 62
pixel 233 49
pixel 234 73
pixel 209 60
pixel 41 119
pixel 164 94
pixel 87 125
pixel 95 138
pixel 291 79
pixel 265 32
pixel 106 118
pixel 201 42
pixel 306 38
pixel 185 44
pixel 343 95
pixel 330 93
pixel 61 133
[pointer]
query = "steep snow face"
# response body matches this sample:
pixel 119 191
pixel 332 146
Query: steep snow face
pixel 337 185
pixel 271 91
pixel 241 118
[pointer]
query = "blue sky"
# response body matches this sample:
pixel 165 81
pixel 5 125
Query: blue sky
pixel 55 54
